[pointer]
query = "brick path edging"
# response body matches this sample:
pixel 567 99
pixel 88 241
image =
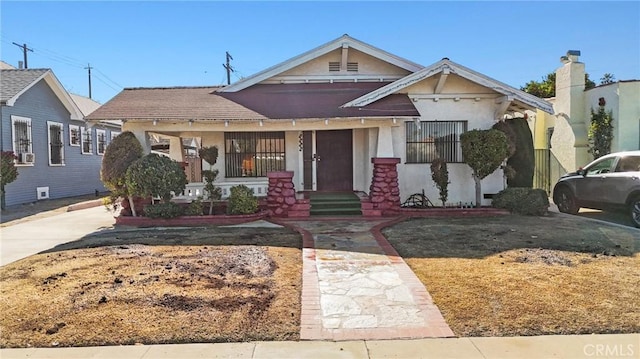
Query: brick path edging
pixel 311 327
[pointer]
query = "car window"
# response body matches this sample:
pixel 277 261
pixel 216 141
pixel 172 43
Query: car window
pixel 628 164
pixel 603 166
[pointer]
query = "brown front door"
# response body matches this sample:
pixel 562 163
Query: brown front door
pixel 334 160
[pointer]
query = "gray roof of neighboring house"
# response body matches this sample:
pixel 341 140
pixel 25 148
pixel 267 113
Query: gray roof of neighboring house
pixel 12 81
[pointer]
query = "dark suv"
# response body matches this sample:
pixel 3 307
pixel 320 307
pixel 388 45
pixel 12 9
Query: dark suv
pixel 611 182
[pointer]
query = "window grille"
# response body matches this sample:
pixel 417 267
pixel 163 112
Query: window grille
pixel 432 139
pixel 74 135
pixel 101 137
pixel 253 154
pixel 87 141
pixel 56 146
pixel 22 136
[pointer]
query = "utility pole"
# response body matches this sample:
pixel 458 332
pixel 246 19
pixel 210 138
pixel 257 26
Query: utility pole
pixel 24 52
pixel 229 68
pixel 89 68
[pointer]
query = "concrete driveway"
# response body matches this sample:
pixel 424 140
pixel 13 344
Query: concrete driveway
pixel 30 237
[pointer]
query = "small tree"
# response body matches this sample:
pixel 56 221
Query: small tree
pixel 8 172
pixel 123 150
pixel 440 175
pixel 521 157
pixel 210 154
pixel 155 176
pixel 600 131
pixel 484 151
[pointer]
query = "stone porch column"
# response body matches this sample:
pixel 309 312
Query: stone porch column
pixel 281 196
pixel 384 193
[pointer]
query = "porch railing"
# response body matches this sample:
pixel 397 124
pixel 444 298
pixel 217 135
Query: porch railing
pixel 195 189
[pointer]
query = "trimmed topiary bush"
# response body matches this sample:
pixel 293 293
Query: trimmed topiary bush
pixel 521 159
pixel 155 176
pixel 440 175
pixel 522 200
pixel 242 200
pixel 123 151
pixel 163 210
pixel 484 151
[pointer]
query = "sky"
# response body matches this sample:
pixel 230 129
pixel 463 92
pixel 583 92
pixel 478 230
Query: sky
pixel 170 43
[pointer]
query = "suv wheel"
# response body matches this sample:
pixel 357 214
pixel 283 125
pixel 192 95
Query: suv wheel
pixel 635 210
pixel 567 203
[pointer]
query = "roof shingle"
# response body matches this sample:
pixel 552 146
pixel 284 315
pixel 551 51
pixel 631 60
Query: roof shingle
pixel 182 103
pixel 12 81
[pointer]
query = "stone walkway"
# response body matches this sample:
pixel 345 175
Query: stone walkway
pixel 355 286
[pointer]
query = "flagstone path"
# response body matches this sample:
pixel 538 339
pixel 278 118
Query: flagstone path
pixel 355 286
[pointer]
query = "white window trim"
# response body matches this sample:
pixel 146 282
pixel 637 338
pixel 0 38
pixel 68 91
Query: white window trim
pixel 114 134
pixel 15 119
pixel 83 134
pixel 77 128
pixel 104 133
pixel 49 124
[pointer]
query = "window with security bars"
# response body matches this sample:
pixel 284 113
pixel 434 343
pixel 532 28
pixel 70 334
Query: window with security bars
pixel 253 154
pixel 22 141
pixel 87 141
pixel 428 140
pixel 74 135
pixel 56 145
pixel 101 141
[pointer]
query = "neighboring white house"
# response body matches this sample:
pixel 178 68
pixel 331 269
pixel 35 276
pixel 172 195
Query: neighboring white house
pixel 565 133
pixel 325 114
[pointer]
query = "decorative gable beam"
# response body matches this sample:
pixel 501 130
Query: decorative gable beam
pixel 503 104
pixel 441 80
pixel 345 57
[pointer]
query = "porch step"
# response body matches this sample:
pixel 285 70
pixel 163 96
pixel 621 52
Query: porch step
pixel 339 204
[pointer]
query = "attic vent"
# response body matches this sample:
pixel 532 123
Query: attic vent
pixel 334 66
pixel 352 66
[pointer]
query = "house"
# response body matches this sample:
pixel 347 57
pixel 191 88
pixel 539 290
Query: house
pixel 561 139
pixel 331 116
pixel 59 154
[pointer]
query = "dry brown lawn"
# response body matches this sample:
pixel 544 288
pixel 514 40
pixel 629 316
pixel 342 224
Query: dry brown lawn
pixel 514 275
pixel 150 286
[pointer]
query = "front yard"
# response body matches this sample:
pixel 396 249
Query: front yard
pixel 497 276
pixel 151 286
pixel 513 275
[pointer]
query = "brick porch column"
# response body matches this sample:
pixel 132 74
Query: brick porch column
pixel 384 193
pixel 281 196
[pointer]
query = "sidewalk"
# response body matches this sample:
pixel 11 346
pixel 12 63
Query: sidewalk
pixel 557 346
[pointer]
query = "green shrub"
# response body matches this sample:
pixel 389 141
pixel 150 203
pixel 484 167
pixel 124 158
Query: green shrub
pixel 522 200
pixel 155 176
pixel 8 171
pixel 484 151
pixel 242 201
pixel 163 210
pixel 521 153
pixel 440 176
pixel 195 208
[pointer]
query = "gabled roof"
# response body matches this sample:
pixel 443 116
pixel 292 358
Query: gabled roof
pixel 319 100
pixel 317 52
pixel 447 66
pixel 85 104
pixel 15 82
pixel 178 103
